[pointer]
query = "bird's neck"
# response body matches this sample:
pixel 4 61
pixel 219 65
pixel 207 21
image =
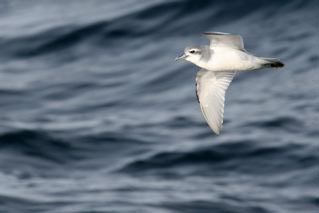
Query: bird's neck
pixel 201 63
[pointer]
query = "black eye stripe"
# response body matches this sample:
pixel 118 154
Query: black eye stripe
pixel 192 51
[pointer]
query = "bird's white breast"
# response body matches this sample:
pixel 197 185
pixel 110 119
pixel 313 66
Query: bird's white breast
pixel 229 59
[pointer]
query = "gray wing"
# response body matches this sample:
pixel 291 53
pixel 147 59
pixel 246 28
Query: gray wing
pixel 210 90
pixel 225 39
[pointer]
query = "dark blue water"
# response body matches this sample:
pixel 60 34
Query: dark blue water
pixel 97 117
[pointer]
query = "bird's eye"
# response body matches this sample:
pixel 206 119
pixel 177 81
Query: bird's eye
pixel 192 51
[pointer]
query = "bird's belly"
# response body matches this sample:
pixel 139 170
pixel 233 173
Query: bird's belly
pixel 231 61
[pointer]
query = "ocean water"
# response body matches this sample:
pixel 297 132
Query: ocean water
pixel 96 116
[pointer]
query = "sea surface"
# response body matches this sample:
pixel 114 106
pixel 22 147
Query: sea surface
pixel 97 117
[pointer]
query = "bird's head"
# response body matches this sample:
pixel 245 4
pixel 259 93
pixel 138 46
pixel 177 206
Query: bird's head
pixel 191 54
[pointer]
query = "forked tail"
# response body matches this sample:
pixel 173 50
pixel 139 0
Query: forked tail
pixel 272 62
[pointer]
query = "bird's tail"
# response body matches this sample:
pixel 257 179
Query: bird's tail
pixel 272 62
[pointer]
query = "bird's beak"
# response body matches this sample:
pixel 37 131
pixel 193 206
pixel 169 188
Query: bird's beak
pixel 180 57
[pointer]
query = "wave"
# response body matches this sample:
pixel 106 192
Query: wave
pixel 229 156
pixel 153 22
pixel 36 144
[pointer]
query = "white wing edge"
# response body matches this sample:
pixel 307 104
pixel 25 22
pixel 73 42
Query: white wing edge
pixel 210 89
pixel 225 39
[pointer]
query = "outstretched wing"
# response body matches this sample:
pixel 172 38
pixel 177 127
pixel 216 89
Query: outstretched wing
pixel 210 90
pixel 225 39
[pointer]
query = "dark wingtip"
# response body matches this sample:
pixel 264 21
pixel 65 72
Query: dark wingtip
pixel 277 64
pixel 273 63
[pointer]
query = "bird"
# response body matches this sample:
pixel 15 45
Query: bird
pixel 219 62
